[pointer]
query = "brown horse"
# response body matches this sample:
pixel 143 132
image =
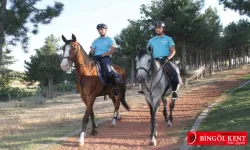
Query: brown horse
pixel 89 84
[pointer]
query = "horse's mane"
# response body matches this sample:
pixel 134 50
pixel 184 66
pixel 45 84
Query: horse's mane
pixel 87 59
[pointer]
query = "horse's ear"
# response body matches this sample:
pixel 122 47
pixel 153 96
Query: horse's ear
pixel 137 48
pixel 64 39
pixel 150 49
pixel 73 37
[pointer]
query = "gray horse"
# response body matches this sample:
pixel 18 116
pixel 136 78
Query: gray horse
pixel 155 85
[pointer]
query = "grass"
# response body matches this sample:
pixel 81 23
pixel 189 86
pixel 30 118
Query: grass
pixel 23 134
pixel 34 139
pixel 230 115
pixel 29 124
pixel 23 127
pixel 247 77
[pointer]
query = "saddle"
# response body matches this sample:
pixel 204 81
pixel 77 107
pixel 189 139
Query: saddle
pixel 168 71
pixel 103 79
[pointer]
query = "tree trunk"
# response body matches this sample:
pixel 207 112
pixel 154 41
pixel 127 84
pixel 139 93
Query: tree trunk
pixel 205 63
pixel 211 62
pixel 234 58
pixel 132 73
pixel 2 18
pixel 190 61
pixel 242 54
pixel 230 59
pixel 197 58
pixel 51 89
pixel 184 60
pixel 224 63
pixel 200 60
pixel 218 62
pixel 246 55
pixel 197 62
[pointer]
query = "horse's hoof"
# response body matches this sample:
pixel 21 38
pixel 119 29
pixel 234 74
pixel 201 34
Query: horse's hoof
pixel 93 132
pixel 80 144
pixel 169 123
pixel 152 143
pixel 112 126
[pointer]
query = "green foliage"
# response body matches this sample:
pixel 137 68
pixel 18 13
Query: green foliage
pixel 241 6
pixel 45 64
pixel 7 91
pixel 4 71
pixel 184 22
pixel 21 12
pixel 236 34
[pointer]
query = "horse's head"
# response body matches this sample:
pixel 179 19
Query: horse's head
pixel 144 63
pixel 70 49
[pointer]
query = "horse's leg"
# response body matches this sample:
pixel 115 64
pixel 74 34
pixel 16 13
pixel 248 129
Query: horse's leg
pixel 85 119
pixel 94 125
pixel 165 113
pixel 83 133
pixel 116 102
pixel 171 106
pixel 154 126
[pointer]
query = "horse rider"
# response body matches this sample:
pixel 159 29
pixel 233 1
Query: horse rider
pixel 163 51
pixel 102 48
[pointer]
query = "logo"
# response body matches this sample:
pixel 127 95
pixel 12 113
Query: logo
pixel 217 138
pixel 192 138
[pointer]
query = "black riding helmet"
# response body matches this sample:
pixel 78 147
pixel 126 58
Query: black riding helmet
pixel 160 24
pixel 101 25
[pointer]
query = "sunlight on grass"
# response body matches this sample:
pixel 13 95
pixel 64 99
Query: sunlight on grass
pixel 247 77
pixel 33 136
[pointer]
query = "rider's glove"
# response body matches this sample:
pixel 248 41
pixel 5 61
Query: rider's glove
pixel 166 60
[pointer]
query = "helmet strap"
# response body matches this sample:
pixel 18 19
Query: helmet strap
pixel 160 34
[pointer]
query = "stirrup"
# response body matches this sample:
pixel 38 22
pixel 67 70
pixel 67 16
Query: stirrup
pixel 115 91
pixel 171 95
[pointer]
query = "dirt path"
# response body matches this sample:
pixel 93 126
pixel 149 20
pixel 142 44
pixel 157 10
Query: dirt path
pixel 134 129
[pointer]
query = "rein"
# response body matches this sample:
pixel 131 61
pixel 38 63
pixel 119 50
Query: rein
pixel 76 46
pixel 150 90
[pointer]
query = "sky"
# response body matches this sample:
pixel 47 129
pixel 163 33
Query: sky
pixel 81 17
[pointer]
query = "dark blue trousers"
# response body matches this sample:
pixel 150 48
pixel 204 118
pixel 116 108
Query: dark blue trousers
pixel 105 63
pixel 174 75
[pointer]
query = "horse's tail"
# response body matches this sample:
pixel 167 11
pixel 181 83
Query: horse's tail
pixel 123 92
pixel 123 100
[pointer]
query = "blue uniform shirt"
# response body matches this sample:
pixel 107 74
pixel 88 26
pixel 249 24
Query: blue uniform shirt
pixel 102 45
pixel 161 45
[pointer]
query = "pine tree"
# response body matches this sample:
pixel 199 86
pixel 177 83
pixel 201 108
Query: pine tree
pixel 13 20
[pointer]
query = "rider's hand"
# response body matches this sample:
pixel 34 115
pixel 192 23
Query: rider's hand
pixel 166 60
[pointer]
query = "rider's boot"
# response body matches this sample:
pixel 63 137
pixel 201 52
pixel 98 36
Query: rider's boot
pixel 115 90
pixel 174 94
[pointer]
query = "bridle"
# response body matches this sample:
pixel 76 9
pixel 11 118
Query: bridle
pixel 74 45
pixel 150 90
pixel 142 68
